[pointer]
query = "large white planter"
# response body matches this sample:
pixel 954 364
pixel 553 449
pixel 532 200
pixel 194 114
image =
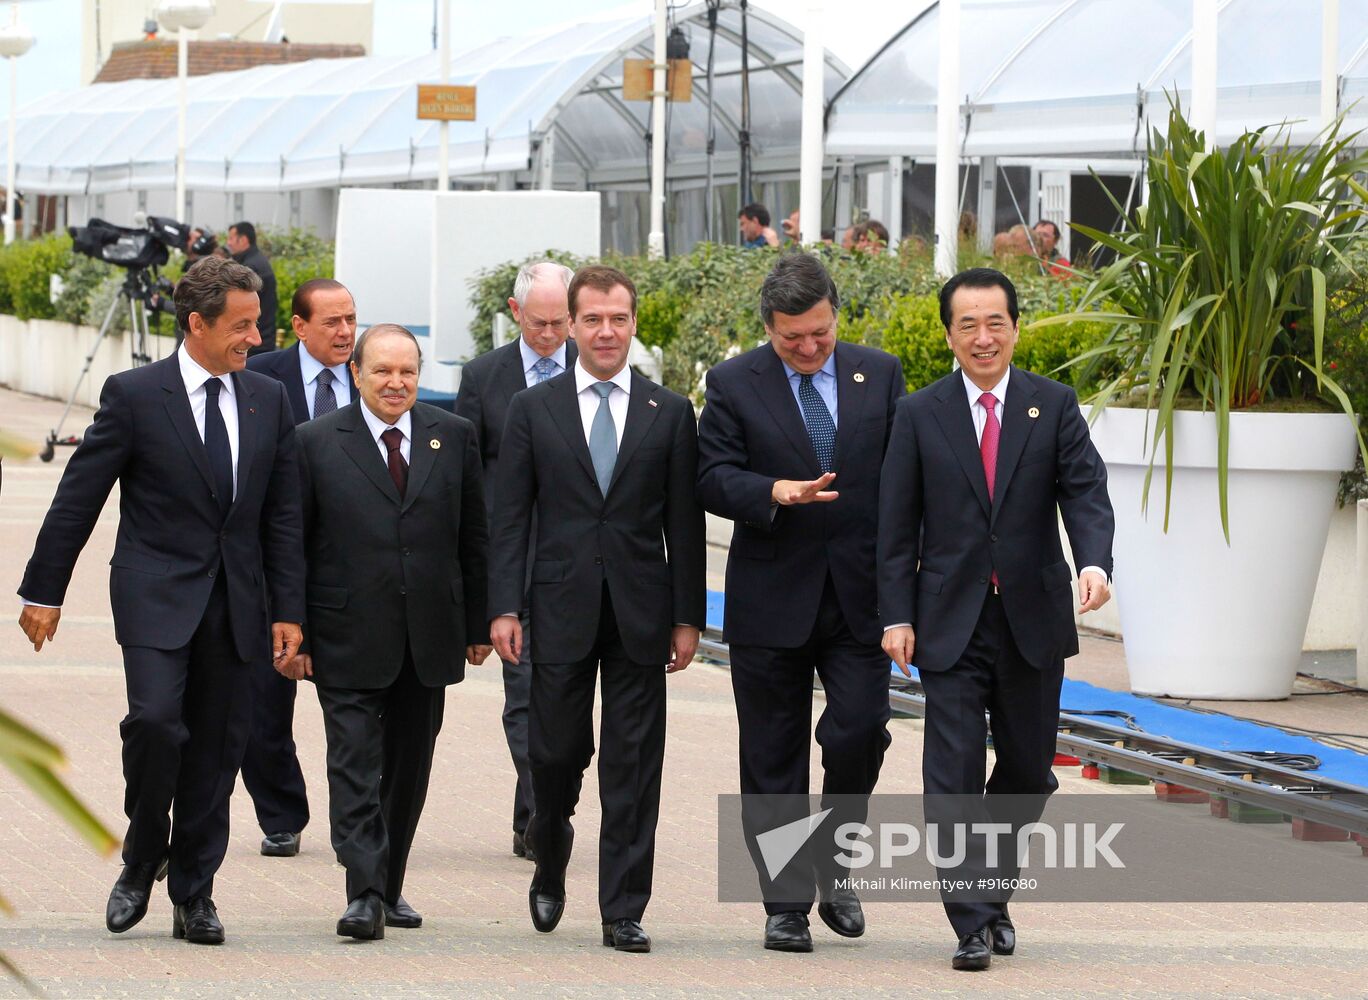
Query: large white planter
pixel 1201 619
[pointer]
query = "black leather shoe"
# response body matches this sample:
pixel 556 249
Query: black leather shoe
pixel 788 932
pixel 522 848
pixel 546 908
pixel 974 953
pixel 128 899
pixel 364 918
pixel 197 922
pixel 1004 936
pixel 841 911
pixel 280 845
pixel 625 935
pixel 400 914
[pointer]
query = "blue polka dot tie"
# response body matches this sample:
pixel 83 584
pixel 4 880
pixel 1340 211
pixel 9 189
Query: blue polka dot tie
pixel 820 427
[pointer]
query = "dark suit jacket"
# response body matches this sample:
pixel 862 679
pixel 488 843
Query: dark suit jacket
pixel 386 573
pixel 172 538
pixel 751 434
pixel 940 538
pixel 645 538
pixel 488 384
pixel 266 322
pixel 283 366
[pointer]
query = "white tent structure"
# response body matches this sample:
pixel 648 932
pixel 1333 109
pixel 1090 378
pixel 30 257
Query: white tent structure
pixel 275 143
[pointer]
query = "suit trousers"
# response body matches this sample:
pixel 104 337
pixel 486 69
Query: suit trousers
pixel 1022 704
pixel 380 747
pixel 189 714
pixel 517 680
pixel 270 769
pixel 773 692
pixel 560 746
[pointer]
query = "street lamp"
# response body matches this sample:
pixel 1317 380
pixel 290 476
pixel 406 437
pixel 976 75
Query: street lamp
pixel 183 17
pixel 15 40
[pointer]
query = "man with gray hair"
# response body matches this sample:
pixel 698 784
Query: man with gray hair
pixel 789 448
pixel 542 351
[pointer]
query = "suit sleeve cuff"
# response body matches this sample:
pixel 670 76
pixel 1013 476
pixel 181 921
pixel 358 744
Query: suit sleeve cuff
pixel 1098 570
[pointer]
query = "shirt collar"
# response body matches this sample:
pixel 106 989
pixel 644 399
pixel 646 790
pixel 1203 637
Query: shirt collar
pixel 310 366
pixel 195 375
pixel 828 368
pixel 378 426
pixel 999 390
pixel 583 380
pixel 531 357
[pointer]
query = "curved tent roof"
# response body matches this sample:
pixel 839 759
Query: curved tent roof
pixel 1044 77
pixel 332 122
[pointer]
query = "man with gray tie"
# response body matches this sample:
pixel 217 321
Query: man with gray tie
pixel 542 351
pixel 317 381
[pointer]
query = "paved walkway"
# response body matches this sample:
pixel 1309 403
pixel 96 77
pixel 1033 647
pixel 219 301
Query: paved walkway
pixel 477 939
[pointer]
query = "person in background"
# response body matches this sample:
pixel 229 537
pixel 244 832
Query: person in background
pixel 1045 237
pixel 242 245
pixel 754 221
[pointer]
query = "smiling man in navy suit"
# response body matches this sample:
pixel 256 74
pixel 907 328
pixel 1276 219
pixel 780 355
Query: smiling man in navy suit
pixel 207 580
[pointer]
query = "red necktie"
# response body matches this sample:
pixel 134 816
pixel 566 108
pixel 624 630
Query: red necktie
pixel 398 468
pixel 988 448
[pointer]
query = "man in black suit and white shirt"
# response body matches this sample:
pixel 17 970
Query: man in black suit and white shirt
pixel 606 459
pixel 207 578
pixel 488 383
pixel 394 533
pixel 790 445
pixel 973 585
pixel 318 381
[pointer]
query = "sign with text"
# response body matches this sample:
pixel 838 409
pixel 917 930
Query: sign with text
pixel 446 102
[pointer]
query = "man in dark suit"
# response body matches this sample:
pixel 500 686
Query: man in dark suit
pixel 317 381
pixel 972 579
pixel 208 553
pixel 606 460
pixel 790 445
pixel 242 244
pixel 394 536
pixel 487 384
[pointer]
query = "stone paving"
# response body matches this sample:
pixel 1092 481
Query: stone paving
pixel 477 939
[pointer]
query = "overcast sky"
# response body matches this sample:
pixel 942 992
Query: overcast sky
pixel 404 27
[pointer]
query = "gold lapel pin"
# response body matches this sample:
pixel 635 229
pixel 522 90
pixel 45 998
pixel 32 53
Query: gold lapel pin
pixel 434 444
pixel 858 376
pixel 1033 412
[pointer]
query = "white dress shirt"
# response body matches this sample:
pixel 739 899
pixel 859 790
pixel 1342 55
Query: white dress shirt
pixel 589 398
pixel 531 357
pixel 376 426
pixel 195 376
pixel 309 367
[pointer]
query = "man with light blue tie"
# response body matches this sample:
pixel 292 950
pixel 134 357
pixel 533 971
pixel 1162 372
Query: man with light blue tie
pixel 543 350
pixel 789 448
pixel 317 380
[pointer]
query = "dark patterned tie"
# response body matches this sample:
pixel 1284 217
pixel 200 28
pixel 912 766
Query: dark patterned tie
pixel 216 444
pixel 398 468
pixel 820 427
pixel 542 370
pixel 325 400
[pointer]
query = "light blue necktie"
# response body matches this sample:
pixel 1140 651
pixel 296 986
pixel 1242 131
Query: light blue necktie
pixel 820 427
pixel 543 369
pixel 603 438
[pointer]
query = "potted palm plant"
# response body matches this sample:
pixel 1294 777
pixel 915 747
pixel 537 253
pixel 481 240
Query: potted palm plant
pixel 1217 300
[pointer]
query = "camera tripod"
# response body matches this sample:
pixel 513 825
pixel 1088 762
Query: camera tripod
pixel 133 295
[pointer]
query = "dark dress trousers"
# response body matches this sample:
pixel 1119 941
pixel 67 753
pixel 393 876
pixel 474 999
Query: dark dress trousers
pixel 396 591
pixel 611 576
pixel 488 383
pixel 193 593
pixel 941 539
pixel 800 582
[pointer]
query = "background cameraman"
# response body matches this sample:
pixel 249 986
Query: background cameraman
pixel 243 246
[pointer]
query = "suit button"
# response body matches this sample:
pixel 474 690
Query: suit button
pixel 992 538
pixel 983 579
pixel 211 572
pixel 603 521
pixel 598 560
pixel 403 591
pixel 406 551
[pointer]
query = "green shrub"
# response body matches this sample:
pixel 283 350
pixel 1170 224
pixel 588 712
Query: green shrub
pixel 291 272
pixel 29 270
pixel 81 278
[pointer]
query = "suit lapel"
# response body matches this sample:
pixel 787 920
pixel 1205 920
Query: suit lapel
pixel 248 421
pixel 642 409
pixel 851 393
pixel 772 386
pixel 563 403
pixel 422 454
pixel 182 418
pixel 958 426
pixel 511 378
pixel 291 373
pixel 361 448
pixel 1016 430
